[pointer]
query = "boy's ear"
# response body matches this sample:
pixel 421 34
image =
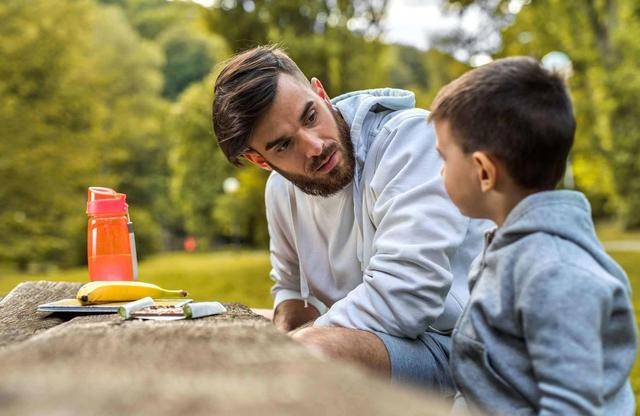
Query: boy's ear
pixel 257 159
pixel 486 170
pixel 317 86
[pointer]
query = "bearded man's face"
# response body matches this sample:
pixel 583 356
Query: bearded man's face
pixel 304 139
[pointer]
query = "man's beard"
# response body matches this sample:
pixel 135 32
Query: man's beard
pixel 339 177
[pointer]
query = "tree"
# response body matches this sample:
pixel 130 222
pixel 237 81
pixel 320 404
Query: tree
pixel 152 17
pixel 240 215
pixel 190 56
pixel 197 164
pixel 601 39
pixel 177 27
pixel 327 40
pixel 132 142
pixel 80 99
pixel 46 123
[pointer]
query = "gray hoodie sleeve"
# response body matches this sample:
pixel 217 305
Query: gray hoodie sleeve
pixel 418 230
pixel 562 331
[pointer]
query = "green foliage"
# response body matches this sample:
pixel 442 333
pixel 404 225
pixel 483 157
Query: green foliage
pixel 190 56
pixel 597 40
pixel 314 34
pixel 198 166
pixel 441 70
pixel 240 216
pixel 132 145
pixel 601 40
pixel 47 122
pixel 151 17
pixel 189 53
pixel 79 92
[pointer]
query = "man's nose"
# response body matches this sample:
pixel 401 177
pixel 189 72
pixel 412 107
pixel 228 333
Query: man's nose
pixel 312 145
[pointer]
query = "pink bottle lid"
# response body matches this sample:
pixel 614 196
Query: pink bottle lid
pixel 102 201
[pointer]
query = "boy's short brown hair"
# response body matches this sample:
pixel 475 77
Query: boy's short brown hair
pixel 243 92
pixel 515 110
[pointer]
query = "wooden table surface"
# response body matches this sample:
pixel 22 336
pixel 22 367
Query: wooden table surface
pixel 235 364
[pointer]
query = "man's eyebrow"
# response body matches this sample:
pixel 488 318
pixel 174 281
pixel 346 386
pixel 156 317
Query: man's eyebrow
pixel 281 139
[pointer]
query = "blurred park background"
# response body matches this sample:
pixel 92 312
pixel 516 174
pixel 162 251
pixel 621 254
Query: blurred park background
pixel 118 93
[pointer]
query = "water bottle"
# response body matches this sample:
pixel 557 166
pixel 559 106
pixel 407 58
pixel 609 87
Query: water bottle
pixel 111 250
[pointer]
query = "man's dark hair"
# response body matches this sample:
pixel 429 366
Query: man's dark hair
pixel 243 92
pixel 515 110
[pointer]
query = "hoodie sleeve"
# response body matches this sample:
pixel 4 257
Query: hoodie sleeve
pixel 418 230
pixel 563 334
pixel 285 269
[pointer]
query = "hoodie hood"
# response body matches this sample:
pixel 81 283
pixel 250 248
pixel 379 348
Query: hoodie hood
pixel 565 214
pixel 356 106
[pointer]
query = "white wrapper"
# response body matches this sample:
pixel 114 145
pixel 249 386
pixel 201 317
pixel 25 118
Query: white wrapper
pixel 201 309
pixel 126 310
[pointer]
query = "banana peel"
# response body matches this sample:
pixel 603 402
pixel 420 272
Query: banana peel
pixel 122 291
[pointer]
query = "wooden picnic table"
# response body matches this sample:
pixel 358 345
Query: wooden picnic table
pixel 234 364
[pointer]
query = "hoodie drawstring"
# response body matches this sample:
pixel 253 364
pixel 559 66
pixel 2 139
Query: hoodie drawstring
pixel 304 283
pixel 304 288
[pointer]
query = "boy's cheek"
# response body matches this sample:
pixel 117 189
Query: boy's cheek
pixel 449 186
pixel 456 194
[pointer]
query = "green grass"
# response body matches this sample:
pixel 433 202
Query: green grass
pixel 226 276
pixel 611 231
pixel 630 262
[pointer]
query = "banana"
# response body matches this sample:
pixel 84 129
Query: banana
pixel 122 291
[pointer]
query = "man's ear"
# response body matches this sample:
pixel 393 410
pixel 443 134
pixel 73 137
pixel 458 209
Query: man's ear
pixel 257 159
pixel 319 89
pixel 486 171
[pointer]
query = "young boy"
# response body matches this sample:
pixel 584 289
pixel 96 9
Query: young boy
pixel 549 328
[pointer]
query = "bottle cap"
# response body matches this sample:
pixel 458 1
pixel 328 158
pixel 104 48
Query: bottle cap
pixel 102 201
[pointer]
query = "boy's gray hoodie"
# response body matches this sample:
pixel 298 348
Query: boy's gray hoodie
pixel 549 328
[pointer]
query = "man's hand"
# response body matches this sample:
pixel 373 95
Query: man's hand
pixel 292 314
pixel 293 332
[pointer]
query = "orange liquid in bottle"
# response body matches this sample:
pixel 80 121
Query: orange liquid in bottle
pixel 110 267
pixel 109 253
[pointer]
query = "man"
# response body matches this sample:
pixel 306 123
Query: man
pixel 369 255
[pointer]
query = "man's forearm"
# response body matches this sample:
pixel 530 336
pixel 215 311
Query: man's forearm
pixel 292 314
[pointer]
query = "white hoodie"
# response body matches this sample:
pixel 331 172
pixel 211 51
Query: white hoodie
pixel 390 252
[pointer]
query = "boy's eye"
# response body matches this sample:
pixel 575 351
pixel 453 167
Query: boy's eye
pixel 283 146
